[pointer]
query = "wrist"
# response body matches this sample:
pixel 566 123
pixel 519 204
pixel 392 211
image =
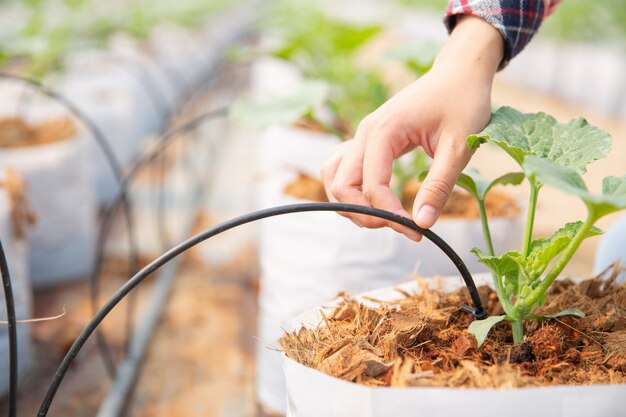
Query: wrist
pixel 474 47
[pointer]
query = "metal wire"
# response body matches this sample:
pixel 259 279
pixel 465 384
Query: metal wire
pixel 107 151
pixel 107 221
pixel 133 282
pixel 10 306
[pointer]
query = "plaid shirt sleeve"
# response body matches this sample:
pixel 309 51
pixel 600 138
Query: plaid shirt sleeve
pixel 517 20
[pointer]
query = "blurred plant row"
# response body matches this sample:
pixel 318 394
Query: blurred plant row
pixel 339 89
pixel 37 33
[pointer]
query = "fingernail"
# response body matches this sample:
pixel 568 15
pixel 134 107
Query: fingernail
pixel 426 216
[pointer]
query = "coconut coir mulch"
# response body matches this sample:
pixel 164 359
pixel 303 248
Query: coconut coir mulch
pixel 421 340
pixel 460 205
pixel 22 216
pixel 16 133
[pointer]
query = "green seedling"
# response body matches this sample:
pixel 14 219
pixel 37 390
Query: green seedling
pixel 548 153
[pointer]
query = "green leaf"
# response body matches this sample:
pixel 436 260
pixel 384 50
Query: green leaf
pixel 573 312
pixel 478 186
pixel 612 199
pixel 508 266
pixel 481 328
pixel 518 271
pixel 283 110
pixel 572 145
pixel 544 250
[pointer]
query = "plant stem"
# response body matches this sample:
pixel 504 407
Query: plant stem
pixel 497 281
pixel 518 331
pixel 485 224
pixel 530 217
pixel 561 263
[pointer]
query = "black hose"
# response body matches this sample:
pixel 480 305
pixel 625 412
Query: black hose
pixel 477 310
pixel 11 320
pixel 107 221
pixel 104 146
pixel 116 168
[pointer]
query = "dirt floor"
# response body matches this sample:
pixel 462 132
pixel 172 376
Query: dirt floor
pixel 203 348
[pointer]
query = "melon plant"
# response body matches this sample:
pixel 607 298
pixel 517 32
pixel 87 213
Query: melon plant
pixel 548 153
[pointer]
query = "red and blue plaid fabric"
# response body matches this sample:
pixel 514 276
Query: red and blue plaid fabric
pixel 517 20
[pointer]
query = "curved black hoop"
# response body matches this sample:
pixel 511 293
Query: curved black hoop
pixel 11 320
pixel 106 149
pixel 477 310
pixel 107 221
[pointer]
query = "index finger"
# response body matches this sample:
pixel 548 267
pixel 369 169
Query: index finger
pixel 377 173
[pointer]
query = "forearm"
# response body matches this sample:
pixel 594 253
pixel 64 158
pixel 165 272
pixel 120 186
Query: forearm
pixel 516 20
pixel 474 48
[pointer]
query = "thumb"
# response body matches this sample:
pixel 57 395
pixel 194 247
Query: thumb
pixel 449 161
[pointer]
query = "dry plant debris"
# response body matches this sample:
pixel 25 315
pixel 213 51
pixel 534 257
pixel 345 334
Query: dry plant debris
pixel 421 340
pixel 16 133
pixel 460 205
pixel 21 215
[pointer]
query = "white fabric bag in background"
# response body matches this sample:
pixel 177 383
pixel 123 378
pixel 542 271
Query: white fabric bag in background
pixel 114 113
pixel 288 149
pixel 15 250
pixel 121 75
pixel 60 190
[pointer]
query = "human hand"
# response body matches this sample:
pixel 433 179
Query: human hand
pixel 436 112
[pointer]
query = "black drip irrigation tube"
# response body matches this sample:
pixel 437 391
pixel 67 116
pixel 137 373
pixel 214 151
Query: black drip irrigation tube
pixel 477 310
pixel 107 221
pixel 110 211
pixel 149 87
pixel 160 216
pixel 106 150
pixel 12 323
pixel 116 168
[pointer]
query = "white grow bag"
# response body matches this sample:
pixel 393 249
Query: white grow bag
pixel 311 393
pixel 120 74
pixel 283 149
pixel 17 258
pixel 60 190
pixel 307 258
pixel 114 112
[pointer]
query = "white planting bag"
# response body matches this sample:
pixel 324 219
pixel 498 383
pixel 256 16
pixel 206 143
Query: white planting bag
pixel 311 393
pixel 60 189
pixel 114 112
pixel 15 250
pixel 308 258
pixel 173 50
pixel 289 149
pixel 128 50
pixel 121 75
